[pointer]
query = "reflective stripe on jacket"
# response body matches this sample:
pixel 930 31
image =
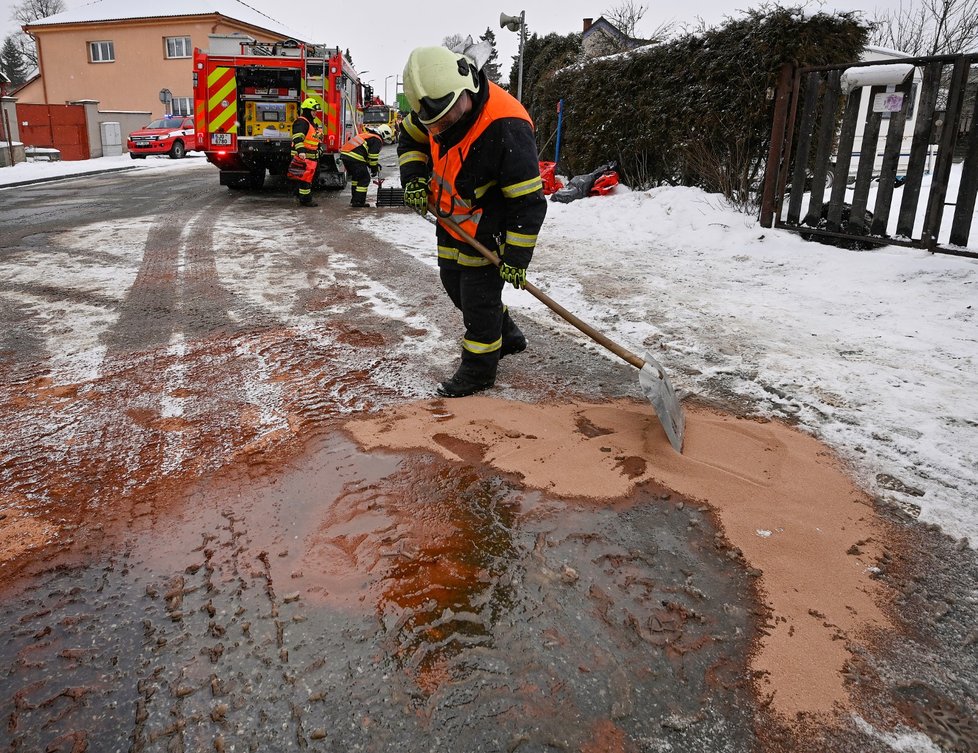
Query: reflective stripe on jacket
pixel 364 147
pixel 446 165
pixel 306 139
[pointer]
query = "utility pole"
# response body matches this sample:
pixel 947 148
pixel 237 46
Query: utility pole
pixel 516 23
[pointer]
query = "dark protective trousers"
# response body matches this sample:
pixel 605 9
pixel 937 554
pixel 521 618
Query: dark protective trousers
pixel 303 188
pixel 359 176
pixel 478 294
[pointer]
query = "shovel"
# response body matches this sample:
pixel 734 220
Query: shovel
pixel 651 376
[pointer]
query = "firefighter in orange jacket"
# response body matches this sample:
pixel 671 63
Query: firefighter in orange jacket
pixel 307 136
pixel 361 157
pixel 469 146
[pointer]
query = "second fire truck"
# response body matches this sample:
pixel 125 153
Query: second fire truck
pixel 246 95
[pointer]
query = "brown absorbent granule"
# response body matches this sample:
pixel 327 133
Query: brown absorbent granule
pixel 781 497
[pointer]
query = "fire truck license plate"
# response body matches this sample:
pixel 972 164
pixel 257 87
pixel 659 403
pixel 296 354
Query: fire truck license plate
pixel 142 143
pixel 221 139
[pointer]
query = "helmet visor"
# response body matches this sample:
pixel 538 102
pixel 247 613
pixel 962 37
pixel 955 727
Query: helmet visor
pixel 431 108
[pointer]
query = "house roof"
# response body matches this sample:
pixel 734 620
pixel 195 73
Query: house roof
pixel 604 25
pixel 14 90
pixel 123 10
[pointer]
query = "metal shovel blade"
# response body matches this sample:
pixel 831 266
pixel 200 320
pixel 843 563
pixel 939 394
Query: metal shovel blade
pixel 658 389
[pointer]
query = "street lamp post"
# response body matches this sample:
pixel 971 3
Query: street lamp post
pixel 516 23
pixel 393 75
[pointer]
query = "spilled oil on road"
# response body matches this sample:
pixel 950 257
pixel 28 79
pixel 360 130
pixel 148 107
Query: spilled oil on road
pixel 388 602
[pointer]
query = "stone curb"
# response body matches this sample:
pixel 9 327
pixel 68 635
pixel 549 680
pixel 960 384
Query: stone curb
pixel 52 178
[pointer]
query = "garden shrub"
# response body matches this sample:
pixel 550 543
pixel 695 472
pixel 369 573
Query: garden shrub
pixel 694 111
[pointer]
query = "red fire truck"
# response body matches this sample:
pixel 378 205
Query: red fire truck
pixel 246 95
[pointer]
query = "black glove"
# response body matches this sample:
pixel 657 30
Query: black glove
pixel 374 170
pixel 516 276
pixel 416 194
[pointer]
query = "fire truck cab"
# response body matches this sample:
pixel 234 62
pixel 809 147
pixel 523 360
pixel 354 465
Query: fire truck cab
pixel 247 94
pixel 383 116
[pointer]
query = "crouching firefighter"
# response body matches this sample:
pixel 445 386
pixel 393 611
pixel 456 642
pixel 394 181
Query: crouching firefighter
pixel 469 146
pixel 307 148
pixel 361 156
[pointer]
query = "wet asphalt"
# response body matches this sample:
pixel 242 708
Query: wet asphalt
pixel 238 575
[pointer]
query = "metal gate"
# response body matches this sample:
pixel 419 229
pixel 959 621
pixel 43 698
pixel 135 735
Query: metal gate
pixel 61 127
pixel 865 153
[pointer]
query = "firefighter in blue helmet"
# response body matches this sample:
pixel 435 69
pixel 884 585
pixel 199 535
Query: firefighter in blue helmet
pixel 307 144
pixel 361 158
pixel 468 147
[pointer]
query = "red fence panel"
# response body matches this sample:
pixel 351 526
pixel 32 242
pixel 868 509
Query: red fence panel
pixel 60 127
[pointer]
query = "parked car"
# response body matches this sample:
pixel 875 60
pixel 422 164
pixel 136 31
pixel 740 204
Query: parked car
pixel 168 135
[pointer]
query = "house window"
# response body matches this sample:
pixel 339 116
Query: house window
pixel 101 52
pixel 182 106
pixel 178 47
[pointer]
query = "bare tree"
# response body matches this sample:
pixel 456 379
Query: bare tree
pixel 29 11
pixel 928 27
pixel 452 40
pixel 626 15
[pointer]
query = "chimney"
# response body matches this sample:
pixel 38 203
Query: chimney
pixel 587 23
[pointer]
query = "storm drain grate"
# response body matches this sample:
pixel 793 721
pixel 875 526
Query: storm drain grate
pixel 390 197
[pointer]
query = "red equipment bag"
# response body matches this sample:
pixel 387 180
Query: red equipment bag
pixel 604 183
pixel 301 169
pixel 547 174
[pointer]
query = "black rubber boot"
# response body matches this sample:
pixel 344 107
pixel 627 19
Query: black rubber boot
pixel 306 202
pixel 513 339
pixel 475 374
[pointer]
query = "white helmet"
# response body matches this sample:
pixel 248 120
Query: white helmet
pixel 434 79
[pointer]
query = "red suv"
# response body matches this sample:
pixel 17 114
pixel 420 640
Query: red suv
pixel 168 135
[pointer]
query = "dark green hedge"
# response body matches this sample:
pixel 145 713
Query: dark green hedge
pixel 694 111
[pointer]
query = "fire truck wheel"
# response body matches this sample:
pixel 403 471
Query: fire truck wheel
pixel 178 150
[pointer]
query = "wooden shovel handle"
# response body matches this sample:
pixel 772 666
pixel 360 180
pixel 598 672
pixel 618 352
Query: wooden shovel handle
pixel 601 339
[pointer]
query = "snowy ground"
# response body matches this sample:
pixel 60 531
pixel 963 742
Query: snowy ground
pixel 44 170
pixel 875 352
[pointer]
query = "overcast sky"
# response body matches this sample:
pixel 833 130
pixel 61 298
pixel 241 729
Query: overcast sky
pixel 381 35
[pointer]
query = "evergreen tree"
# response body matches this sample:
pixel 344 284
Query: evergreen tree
pixel 12 62
pixel 542 56
pixel 491 67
